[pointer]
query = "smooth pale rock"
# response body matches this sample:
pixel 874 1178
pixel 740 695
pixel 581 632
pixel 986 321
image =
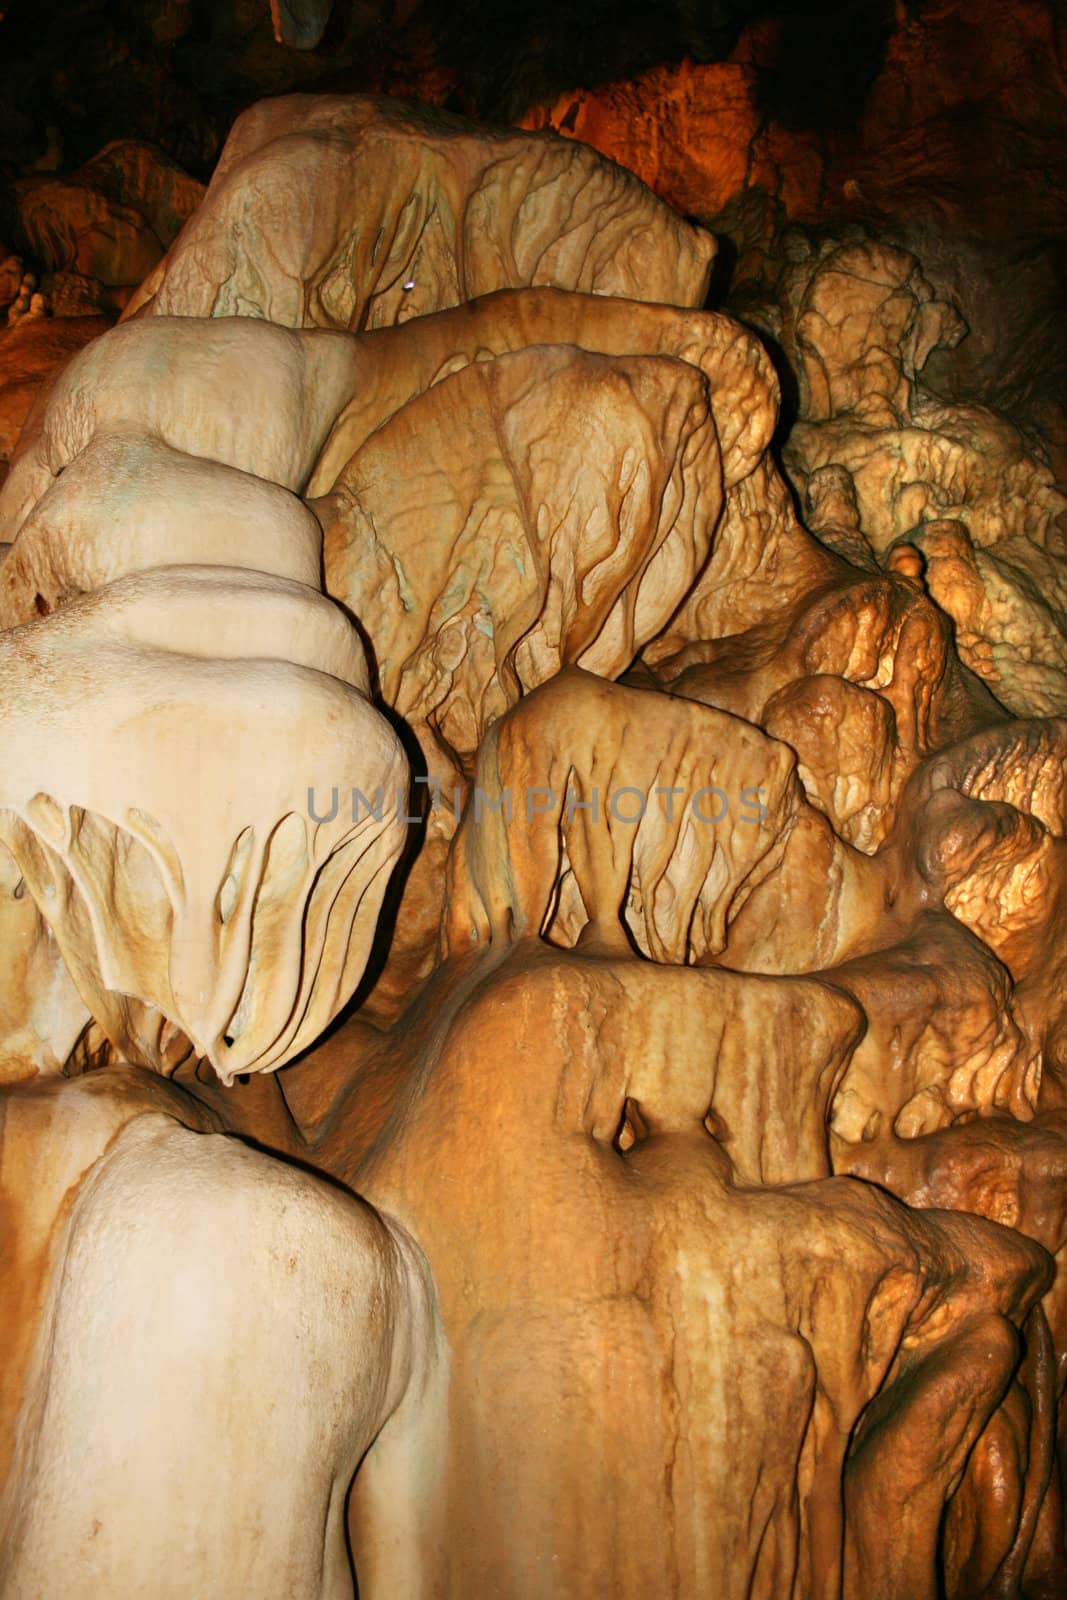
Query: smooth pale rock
pixel 254 397
pixel 200 1279
pixel 129 503
pixel 392 211
pixel 41 1012
pixel 219 904
pixel 50 1136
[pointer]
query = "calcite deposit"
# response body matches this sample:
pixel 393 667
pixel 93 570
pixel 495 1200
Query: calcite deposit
pixel 533 1051
pixel 958 483
pixel 111 220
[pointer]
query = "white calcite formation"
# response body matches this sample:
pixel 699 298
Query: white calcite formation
pixel 532 1016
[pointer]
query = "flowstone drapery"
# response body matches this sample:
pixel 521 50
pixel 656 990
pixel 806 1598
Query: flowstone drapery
pixel 532 1017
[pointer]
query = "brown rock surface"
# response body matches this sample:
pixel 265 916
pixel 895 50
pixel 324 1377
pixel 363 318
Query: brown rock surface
pixel 638 1260
pixel 704 1076
pixel 703 142
pixel 953 91
pixel 567 543
pixel 112 219
pixel 987 517
pixel 31 355
pixel 424 212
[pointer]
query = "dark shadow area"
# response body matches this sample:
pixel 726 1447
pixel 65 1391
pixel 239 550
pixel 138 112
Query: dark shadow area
pixel 824 62
pixel 79 73
pixel 418 807
pixel 507 58
pixel 417 811
pixel 789 408
pixel 722 269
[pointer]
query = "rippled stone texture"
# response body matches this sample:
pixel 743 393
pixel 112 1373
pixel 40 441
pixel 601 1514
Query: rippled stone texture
pixel 696 1040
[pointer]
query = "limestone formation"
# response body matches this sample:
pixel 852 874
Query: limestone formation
pixel 393 212
pixel 533 1049
pixel 958 483
pixel 645 822
pixel 41 1012
pixel 112 219
pixel 642 1247
pixel 116 510
pixel 31 354
pixel 857 323
pixel 119 384
pixel 575 499
pixel 218 906
pixel 320 1309
pixel 742 387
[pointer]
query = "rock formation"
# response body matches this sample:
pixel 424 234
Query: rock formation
pixel 392 213
pixel 112 219
pixel 625 923
pixel 957 483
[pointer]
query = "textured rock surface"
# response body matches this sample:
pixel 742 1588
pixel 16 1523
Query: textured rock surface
pixel 423 212
pixel 31 354
pixel 666 813
pixel 626 1220
pixel 575 501
pixel 707 1068
pixel 112 219
pixel 957 483
pixel 943 105
pixel 178 906
pixel 699 136
pixel 742 386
